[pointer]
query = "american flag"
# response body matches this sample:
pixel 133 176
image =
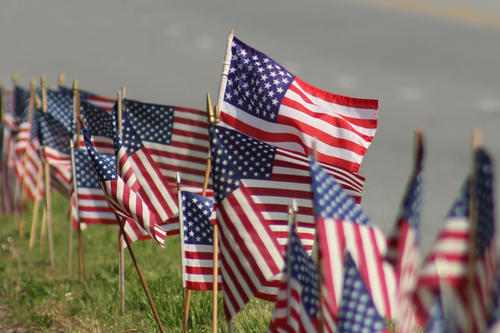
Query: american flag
pixel 100 125
pixel 7 163
pixel 249 179
pixel 125 202
pixel 177 138
pixel 197 242
pixel 494 315
pixel 342 226
pixel 102 102
pixel 448 262
pixel 262 99
pixel 297 306
pixel 92 205
pixel 403 251
pixel 142 174
pixel 358 312
pixel 21 101
pixel 56 148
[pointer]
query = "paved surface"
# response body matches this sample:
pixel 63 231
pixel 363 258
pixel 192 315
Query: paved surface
pixel 432 64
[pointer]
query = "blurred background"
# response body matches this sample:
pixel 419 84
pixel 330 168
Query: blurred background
pixel 432 64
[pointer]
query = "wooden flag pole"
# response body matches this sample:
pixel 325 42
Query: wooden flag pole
pixel 48 197
pixel 60 81
pixel 76 115
pixel 34 221
pixel 215 238
pixel 186 293
pixel 121 265
pixel 44 227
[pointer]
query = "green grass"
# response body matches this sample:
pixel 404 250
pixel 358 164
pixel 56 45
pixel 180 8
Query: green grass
pixel 50 300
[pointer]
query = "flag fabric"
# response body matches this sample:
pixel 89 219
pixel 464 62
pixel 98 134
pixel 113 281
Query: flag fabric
pixel 250 178
pixel 56 149
pixel 91 204
pixel 60 106
pixel 357 312
pixel 142 174
pixel 494 314
pixel 342 225
pixel 7 164
pixel 297 306
pixel 197 241
pixel 264 100
pixel 177 138
pixel 403 251
pixel 449 263
pixel 102 102
pixel 124 201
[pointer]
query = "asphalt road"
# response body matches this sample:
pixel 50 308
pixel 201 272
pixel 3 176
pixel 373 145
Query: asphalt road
pixel 432 64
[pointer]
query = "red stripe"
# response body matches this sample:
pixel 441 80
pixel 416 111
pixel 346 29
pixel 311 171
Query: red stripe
pixel 354 102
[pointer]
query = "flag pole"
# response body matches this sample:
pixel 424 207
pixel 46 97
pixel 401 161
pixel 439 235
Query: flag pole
pixel 76 115
pixel 121 236
pixel 473 220
pixel 48 197
pixel 186 293
pixel 212 119
pixel 60 81
pixel 292 220
pixel 36 206
pixel 17 206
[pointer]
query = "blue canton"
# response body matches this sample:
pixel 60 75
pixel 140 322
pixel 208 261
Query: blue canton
pixel 35 125
pixel 53 133
pixel 130 139
pixel 60 105
pixel 256 84
pixel 236 156
pixel 105 171
pixel 98 121
pixel 357 313
pixel 485 206
pixel 331 200
pixel 303 269
pixel 86 175
pixel 197 210
pixel 460 207
pixel 413 200
pixel 152 122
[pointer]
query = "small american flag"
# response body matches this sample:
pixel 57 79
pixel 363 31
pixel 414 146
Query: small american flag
pixel 102 102
pixel 262 99
pixel 357 312
pixel 403 251
pixel 448 261
pixel 177 138
pixel 142 175
pixel 197 241
pixel 342 226
pixel 93 207
pixel 125 202
pixel 297 305
pixel 249 177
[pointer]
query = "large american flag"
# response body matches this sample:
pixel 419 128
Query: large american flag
pixel 358 312
pixel 197 241
pixel 403 251
pixel 262 99
pixel 297 306
pixel 125 202
pixel 57 153
pixel 342 226
pixel 449 260
pixel 254 183
pixel 142 174
pixel 177 138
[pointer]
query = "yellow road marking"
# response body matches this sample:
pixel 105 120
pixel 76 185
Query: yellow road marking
pixel 459 13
